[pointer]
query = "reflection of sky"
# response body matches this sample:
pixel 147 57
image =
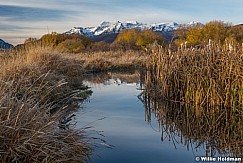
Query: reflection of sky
pixel 126 129
pixel 61 15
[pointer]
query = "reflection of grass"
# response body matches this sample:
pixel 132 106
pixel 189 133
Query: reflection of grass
pixel 197 96
pixel 217 132
pixel 38 88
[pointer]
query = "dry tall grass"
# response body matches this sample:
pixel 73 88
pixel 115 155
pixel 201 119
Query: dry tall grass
pixel 111 60
pixel 197 96
pixel 38 90
pixel 206 77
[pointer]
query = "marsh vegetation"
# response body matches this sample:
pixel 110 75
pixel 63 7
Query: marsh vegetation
pixel 196 95
pixel 208 77
pixel 39 90
pixel 218 132
pixel 193 86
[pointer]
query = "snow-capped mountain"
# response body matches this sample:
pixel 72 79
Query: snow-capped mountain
pixel 193 23
pixel 110 28
pixel 164 27
pixel 105 28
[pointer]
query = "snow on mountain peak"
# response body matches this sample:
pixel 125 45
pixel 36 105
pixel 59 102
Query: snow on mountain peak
pixel 193 23
pixel 165 27
pixel 132 22
pixel 109 27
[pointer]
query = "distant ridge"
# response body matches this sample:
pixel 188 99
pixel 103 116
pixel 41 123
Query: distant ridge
pixel 5 45
pixel 108 31
pixel 110 28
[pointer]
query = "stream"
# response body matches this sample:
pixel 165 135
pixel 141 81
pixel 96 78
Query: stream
pixel 115 109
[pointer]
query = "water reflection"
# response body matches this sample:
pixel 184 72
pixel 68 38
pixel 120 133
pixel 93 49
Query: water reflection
pixel 218 131
pixel 144 128
pixel 115 78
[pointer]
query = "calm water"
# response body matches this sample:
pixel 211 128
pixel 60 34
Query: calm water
pixel 125 127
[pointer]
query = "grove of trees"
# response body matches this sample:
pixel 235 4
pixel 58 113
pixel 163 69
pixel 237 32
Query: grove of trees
pixel 127 39
pixel 215 31
pixel 135 39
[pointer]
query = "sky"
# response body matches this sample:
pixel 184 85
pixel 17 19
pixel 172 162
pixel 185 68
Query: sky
pixel 21 19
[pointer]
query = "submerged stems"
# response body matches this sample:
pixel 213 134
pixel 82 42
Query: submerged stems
pixel 196 95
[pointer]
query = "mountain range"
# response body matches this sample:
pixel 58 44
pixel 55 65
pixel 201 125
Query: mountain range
pixel 108 31
pixel 5 45
pixel 111 28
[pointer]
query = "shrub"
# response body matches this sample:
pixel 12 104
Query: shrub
pixel 71 45
pixel 55 39
pixel 135 39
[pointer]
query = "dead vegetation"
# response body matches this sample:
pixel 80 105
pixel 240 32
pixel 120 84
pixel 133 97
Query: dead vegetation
pixel 120 60
pixel 197 97
pixel 38 89
pixel 208 77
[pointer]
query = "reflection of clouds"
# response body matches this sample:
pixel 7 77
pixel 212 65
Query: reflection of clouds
pixel 124 126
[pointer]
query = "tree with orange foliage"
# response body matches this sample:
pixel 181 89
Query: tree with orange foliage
pixel 135 39
pixel 147 37
pixel 127 38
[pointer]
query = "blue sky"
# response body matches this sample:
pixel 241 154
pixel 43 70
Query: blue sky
pixel 20 19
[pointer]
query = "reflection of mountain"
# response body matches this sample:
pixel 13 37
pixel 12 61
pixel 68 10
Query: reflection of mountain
pixel 218 130
pixel 114 78
pixel 114 81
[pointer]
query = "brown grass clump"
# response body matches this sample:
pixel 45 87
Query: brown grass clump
pixel 197 97
pixel 111 60
pixel 205 77
pixel 39 88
